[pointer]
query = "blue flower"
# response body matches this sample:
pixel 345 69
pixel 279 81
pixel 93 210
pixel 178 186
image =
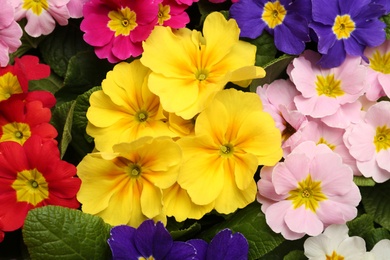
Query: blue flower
pixel 286 20
pixel 346 27
pixel 148 242
pixel 224 246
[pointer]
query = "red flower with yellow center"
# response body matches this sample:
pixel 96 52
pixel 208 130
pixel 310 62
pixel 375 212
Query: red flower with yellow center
pixel 31 176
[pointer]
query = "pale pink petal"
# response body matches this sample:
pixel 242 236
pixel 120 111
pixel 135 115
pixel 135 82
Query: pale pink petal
pixel 344 116
pixel 384 80
pixel 316 107
pixel 301 220
pixel 282 92
pixel 332 212
pixel 75 8
pixel 4 56
pixel 370 168
pixel 361 140
pixel 60 12
pixel 36 26
pixel 383 159
pixel 379 114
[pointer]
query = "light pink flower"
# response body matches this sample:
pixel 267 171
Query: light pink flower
pixel 10 33
pixel 320 133
pixel 328 94
pixel 278 101
pixel 117 28
pixel 75 8
pixel 312 190
pixel 378 73
pixel 41 15
pixel 369 142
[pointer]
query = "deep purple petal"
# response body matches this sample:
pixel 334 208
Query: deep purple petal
pixel 370 33
pixel 181 251
pixel 122 244
pixel 200 246
pixel 352 7
pixel 353 47
pixel 369 12
pixel 335 56
pixel 325 11
pixel 325 36
pixel 302 7
pixel 162 241
pixel 287 41
pixel 145 238
pixel 247 14
pixel 227 246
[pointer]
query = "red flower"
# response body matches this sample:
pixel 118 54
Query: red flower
pixel 31 176
pixel 14 78
pixel 21 118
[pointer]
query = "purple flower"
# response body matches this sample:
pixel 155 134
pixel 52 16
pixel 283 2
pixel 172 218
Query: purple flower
pixel 286 20
pixel 346 26
pixel 148 241
pixel 224 246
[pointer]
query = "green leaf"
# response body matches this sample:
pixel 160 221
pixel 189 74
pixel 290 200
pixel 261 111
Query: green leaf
pixel 386 20
pixel 206 7
pixel 54 232
pixel 250 222
pixel 274 70
pixel 284 249
pixel 62 44
pixel 363 181
pixel 376 202
pixel 53 83
pixel 184 234
pixel 62 120
pixel 376 235
pixel 295 255
pixel 266 49
pixel 361 225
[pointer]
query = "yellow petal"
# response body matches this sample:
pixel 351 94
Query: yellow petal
pixel 247 73
pixel 151 200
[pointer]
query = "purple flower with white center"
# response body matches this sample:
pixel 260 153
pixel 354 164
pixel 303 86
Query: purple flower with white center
pixel 224 246
pixel 286 20
pixel 149 241
pixel 346 27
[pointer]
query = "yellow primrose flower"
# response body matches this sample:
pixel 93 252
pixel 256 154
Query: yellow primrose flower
pixel 189 69
pixel 232 137
pixel 178 204
pixel 125 109
pixel 125 186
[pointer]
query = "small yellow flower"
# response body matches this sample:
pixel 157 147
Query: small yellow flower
pixel 232 137
pixel 125 109
pixel 190 68
pixel 125 186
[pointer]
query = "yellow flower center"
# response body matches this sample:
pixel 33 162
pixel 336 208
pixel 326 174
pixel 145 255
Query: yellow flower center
pixel 122 21
pixel 31 187
pixel 9 85
pixel 343 26
pixel 134 170
pixel 323 141
pixel 380 62
pixel 382 138
pixel 307 193
pixel 36 6
pixel 328 86
pixel 334 256
pixel 17 132
pixel 273 14
pixel 226 150
pixel 141 116
pixel 201 74
pixel 163 13
pixel 148 258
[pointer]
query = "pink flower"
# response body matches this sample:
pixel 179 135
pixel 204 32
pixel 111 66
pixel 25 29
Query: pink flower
pixel 369 142
pixel 172 14
pixel 278 101
pixel 75 8
pixel 10 33
pixel 41 15
pixel 378 73
pixel 320 133
pixel 186 2
pixel 312 190
pixel 117 28
pixel 329 94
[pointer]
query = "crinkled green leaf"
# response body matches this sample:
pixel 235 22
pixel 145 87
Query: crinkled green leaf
pixel 62 120
pixel 295 255
pixel 266 49
pixel 53 83
pixel 363 181
pixel 249 221
pixel 61 45
pixel 54 232
pixel 274 70
pixel 185 233
pixel 284 249
pixel 376 235
pixel 361 225
pixel 376 202
pixel 386 20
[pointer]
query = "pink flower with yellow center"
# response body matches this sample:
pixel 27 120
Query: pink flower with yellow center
pixel 117 28
pixel 172 14
pixel 31 176
pixel 41 15
pixel 309 191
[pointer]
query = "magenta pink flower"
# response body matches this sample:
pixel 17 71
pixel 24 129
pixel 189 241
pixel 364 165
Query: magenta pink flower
pixel 117 28
pixel 172 14
pixel 278 101
pixel 186 2
pixel 312 189
pixel 369 142
pixel 378 73
pixel 10 33
pixel 329 94
pixel 41 15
